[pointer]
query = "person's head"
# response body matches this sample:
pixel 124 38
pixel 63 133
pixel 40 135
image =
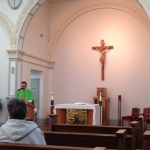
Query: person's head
pixel 23 85
pixel 17 109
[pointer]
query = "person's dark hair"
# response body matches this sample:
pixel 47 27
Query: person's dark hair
pixel 17 108
pixel 24 82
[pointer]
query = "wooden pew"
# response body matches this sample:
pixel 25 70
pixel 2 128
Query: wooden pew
pixel 110 141
pixel 132 141
pixel 132 131
pixel 16 146
pixel 146 140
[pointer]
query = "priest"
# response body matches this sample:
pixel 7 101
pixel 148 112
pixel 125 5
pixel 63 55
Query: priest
pixel 24 93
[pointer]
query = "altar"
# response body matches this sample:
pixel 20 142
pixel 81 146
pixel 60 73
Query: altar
pixel 92 115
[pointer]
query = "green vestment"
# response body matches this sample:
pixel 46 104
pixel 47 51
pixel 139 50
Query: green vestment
pixel 25 94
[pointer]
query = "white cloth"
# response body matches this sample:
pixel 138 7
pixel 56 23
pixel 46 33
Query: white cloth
pixel 94 107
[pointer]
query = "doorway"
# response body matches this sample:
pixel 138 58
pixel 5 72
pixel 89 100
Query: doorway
pixel 35 87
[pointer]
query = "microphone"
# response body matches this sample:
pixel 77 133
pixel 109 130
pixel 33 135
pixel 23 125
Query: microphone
pixel 19 89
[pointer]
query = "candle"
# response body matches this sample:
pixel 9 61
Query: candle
pixel 100 97
pixel 52 96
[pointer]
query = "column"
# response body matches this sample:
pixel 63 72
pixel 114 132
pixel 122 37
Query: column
pixel 15 71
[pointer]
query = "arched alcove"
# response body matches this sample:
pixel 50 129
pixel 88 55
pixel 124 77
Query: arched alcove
pixel 109 4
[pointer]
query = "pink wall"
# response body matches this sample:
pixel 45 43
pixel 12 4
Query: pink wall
pixel 77 70
pixel 77 73
pixel 35 44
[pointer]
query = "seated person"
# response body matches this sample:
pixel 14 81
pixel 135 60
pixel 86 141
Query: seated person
pixel 18 130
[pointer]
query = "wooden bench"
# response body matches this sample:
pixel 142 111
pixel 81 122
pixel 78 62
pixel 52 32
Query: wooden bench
pixel 146 140
pixel 110 141
pixel 134 131
pixel 16 146
pixel 132 140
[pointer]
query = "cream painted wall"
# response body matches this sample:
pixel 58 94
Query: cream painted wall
pixel 77 74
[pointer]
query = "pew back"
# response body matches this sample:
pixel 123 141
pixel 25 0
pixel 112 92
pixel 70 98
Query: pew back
pixel 110 141
pixel 133 131
pixel 89 129
pixel 16 146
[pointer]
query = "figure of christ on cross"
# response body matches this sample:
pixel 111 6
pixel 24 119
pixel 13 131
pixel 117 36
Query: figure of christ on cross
pixel 103 50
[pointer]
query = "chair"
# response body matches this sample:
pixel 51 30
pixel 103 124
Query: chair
pixel 133 117
pixel 146 115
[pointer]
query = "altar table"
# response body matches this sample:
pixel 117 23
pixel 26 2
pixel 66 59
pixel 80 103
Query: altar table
pixel 93 112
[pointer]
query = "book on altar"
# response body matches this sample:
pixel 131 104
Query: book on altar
pixel 81 103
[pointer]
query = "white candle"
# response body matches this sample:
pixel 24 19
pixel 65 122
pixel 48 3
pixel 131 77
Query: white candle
pixel 52 96
pixel 100 97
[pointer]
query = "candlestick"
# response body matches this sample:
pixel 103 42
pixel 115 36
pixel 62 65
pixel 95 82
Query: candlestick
pixel 100 104
pixel 119 110
pixel 119 97
pixel 52 102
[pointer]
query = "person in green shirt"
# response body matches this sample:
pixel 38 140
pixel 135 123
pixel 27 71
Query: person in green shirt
pixel 25 93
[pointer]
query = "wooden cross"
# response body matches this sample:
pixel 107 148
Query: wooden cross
pixel 102 49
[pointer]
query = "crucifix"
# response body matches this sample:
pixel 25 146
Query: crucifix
pixel 103 50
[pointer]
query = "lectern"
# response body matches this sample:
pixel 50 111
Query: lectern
pixel 30 111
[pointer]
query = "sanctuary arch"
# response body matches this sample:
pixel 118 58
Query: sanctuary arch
pixel 142 17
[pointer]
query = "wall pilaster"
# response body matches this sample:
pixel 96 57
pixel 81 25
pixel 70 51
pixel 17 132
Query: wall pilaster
pixel 15 70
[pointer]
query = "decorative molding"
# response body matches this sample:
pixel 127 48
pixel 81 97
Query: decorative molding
pixel 8 26
pixel 14 53
pixel 107 4
pixel 12 31
pixel 146 6
pixel 38 61
pixel 22 55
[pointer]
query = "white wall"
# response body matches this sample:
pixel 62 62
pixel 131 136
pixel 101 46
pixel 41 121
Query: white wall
pixel 11 13
pixel 4 71
pixel 77 71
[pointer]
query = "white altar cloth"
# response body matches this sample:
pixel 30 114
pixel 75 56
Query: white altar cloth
pixel 94 107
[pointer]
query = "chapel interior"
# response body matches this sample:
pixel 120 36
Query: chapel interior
pixel 56 47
